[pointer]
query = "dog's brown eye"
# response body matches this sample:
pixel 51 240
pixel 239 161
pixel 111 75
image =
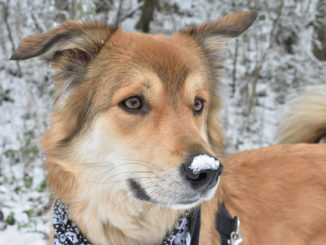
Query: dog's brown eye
pixel 198 105
pixel 133 103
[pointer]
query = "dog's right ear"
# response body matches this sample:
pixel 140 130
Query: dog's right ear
pixel 69 49
pixel 86 39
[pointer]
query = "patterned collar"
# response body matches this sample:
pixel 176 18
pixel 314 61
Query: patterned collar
pixel 66 232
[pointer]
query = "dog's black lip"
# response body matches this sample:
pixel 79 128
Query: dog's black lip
pixel 138 190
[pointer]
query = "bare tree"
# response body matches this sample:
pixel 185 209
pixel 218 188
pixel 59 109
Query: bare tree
pixel 319 45
pixel 5 20
pixel 147 15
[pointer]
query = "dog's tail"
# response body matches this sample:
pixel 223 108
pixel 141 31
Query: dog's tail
pixel 305 120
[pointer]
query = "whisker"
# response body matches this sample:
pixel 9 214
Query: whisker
pixel 122 174
pixel 106 164
pixel 117 181
pixel 152 163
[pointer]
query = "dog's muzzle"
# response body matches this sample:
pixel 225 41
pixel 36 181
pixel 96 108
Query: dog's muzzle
pixel 201 171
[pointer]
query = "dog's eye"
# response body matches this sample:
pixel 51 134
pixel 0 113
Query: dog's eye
pixel 198 105
pixel 135 104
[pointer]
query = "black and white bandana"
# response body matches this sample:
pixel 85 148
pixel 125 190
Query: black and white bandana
pixel 66 232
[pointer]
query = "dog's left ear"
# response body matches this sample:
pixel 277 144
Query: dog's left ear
pixel 213 36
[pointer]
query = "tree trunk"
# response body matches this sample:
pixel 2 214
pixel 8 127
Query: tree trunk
pixel 147 15
pixel 319 46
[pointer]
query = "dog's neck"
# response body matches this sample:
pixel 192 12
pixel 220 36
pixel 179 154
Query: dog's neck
pixel 119 220
pixel 114 217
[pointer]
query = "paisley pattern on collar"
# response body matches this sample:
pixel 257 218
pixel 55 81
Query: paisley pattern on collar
pixel 66 231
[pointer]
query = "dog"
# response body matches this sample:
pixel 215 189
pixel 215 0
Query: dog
pixel 135 149
pixel 279 191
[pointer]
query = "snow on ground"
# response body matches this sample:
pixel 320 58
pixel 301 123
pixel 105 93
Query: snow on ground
pixel 10 236
pixel 263 68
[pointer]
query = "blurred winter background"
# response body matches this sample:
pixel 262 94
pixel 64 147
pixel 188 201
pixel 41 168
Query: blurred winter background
pixel 284 51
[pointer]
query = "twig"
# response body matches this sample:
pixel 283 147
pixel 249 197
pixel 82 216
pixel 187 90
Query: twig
pixel 234 71
pixel 117 19
pixel 13 48
pixel 131 13
pixel 260 66
pixel 37 24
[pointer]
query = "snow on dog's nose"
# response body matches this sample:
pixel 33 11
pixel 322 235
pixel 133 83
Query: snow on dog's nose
pixel 204 162
pixel 202 171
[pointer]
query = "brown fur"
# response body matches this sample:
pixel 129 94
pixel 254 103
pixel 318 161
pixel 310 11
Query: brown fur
pixel 279 193
pixel 94 146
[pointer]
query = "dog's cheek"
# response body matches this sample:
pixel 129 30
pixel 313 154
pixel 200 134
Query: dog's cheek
pixel 124 124
pixel 108 138
pixel 98 141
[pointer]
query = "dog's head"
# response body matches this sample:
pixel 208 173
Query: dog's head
pixel 135 113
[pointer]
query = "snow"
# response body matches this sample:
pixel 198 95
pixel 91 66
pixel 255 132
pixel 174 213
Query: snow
pixel 10 237
pixel 251 111
pixel 204 162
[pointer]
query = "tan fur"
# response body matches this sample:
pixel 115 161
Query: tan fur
pixel 279 193
pixel 305 120
pixel 95 146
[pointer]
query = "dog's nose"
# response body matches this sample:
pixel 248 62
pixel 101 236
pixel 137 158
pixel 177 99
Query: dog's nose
pixel 201 171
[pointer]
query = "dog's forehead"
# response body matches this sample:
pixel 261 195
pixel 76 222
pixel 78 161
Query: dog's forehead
pixel 172 58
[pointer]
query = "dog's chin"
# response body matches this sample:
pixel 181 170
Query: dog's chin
pixel 177 205
pixel 191 202
pixel 185 206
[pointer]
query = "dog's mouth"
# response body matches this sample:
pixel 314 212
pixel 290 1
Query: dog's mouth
pixel 194 181
pixel 138 191
pixel 175 195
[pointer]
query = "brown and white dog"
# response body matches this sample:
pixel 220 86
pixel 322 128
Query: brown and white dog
pixel 135 137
